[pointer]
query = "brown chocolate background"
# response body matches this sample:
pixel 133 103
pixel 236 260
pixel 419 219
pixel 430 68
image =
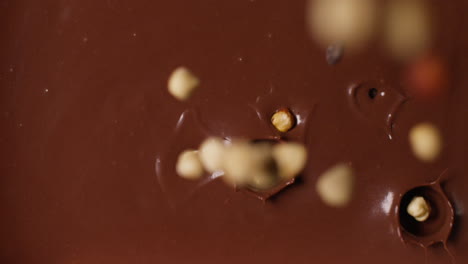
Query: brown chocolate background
pixel 85 116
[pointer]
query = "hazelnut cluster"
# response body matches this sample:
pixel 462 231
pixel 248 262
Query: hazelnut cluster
pixel 255 165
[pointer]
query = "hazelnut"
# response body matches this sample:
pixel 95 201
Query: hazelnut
pixel 211 154
pixel 263 174
pixel 426 142
pixel 283 120
pixel 237 163
pixel 335 186
pixel 342 21
pixel 262 180
pixel 290 158
pixel 182 83
pixel 428 78
pixel 189 166
pixel 249 164
pixel 408 29
pixel 419 208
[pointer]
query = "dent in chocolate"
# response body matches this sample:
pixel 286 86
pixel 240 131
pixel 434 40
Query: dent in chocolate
pixel 190 124
pixel 376 102
pixel 438 227
pixel 264 195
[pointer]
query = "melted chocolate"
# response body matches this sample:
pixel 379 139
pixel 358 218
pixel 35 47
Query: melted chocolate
pixel 90 135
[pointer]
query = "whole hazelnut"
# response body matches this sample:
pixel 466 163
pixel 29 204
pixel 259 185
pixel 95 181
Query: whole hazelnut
pixel 290 158
pixel 189 166
pixel 182 83
pixel 425 141
pixel 408 28
pixel 351 23
pixel 283 120
pixel 249 164
pixel 237 163
pixel 335 186
pixel 419 208
pixel 262 180
pixel 211 154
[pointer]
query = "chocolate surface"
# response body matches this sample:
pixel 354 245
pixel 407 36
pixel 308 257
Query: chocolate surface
pixel 90 135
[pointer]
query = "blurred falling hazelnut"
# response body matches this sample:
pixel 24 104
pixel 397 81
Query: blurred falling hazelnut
pixel 419 208
pixel 211 154
pixel 342 21
pixel 290 158
pixel 189 166
pixel 427 77
pixel 426 142
pixel 335 186
pixel 283 120
pixel 237 163
pixel 182 83
pixel 408 28
pixel 263 174
pixel 250 164
pixel 263 180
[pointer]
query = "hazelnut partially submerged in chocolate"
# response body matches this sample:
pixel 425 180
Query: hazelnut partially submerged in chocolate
pixel 283 120
pixel 419 208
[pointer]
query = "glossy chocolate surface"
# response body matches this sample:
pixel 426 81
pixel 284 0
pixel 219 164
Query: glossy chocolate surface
pixel 89 134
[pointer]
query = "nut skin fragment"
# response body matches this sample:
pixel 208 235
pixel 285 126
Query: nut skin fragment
pixel 182 83
pixel 189 165
pixel 334 54
pixel 283 120
pixel 290 158
pixel 211 154
pixel 425 141
pixel 419 208
pixel 335 186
